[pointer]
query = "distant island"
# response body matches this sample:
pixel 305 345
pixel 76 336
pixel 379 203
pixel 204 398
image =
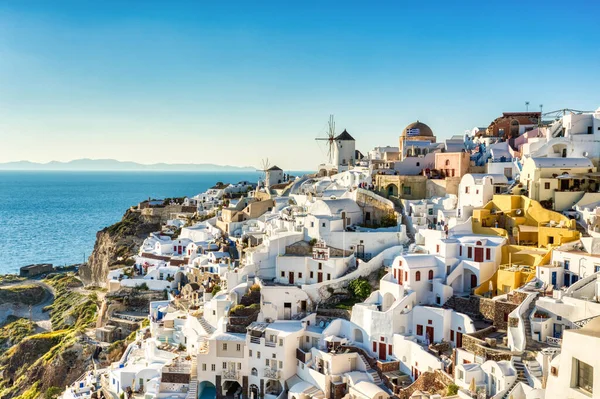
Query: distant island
pixel 109 165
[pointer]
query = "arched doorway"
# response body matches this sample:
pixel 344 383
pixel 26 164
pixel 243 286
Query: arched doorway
pixel 514 128
pixel 253 392
pixel 392 190
pixel 207 390
pixel 388 301
pixel 273 387
pixel 231 389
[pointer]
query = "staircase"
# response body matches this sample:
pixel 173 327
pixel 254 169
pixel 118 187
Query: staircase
pixel 313 392
pixel 206 325
pixel 509 390
pixel 534 368
pixel 520 367
pixel 193 390
pixel 529 342
pixel 374 376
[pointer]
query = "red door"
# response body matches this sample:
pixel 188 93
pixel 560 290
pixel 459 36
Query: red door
pixel 382 351
pixel 319 277
pixel 459 340
pixel 473 281
pixel 429 334
pixel 291 277
pixel 478 254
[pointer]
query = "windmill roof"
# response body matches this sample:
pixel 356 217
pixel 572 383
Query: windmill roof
pixel 345 136
pixel 275 167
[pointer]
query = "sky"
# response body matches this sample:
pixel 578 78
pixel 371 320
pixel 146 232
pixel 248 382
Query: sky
pixel 235 82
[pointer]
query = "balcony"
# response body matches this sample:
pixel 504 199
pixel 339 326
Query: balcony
pixel 230 375
pixel 554 341
pixel 270 373
pixel 270 344
pixel 255 340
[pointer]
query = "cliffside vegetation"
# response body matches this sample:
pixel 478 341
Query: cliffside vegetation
pixel 35 365
pixel 29 294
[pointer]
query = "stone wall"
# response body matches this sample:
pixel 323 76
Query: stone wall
pixel 478 347
pixel 478 307
pixel 334 313
pixel 432 382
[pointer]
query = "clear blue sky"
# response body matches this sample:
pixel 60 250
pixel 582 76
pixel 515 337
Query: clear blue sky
pixel 166 81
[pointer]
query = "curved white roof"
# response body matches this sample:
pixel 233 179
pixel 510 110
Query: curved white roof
pixel 369 389
pixel 332 207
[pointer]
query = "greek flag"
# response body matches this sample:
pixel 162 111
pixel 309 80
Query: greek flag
pixel 413 132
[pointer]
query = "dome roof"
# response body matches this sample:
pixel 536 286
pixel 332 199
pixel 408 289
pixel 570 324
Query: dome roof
pixel 417 129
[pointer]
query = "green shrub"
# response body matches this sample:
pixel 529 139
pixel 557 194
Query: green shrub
pixel 255 287
pixel 216 289
pixel 52 393
pixel 389 220
pixel 254 306
pixel 452 390
pixel 312 242
pixel 360 288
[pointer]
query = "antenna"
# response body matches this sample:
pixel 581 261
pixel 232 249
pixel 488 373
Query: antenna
pixel 541 113
pixel 330 137
pixel 527 106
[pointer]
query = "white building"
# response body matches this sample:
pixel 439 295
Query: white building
pixel 476 190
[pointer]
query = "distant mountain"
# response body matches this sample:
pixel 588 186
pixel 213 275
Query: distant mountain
pixel 114 165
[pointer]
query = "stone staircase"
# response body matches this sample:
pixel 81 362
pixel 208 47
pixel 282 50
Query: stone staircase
pixel 206 325
pixel 193 390
pixel 534 368
pixel 374 376
pixel 520 367
pixel 509 390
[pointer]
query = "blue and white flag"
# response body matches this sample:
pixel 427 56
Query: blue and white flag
pixel 413 132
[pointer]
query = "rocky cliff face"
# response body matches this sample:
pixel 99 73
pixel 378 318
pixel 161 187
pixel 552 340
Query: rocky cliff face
pixel 116 243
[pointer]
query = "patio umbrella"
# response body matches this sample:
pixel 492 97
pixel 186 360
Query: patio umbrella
pixel 472 385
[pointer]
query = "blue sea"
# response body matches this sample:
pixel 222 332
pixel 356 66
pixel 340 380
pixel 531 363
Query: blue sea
pixel 53 217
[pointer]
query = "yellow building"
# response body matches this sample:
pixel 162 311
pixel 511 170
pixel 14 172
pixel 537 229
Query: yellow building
pixel 532 232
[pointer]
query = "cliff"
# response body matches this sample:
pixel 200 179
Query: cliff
pixel 116 243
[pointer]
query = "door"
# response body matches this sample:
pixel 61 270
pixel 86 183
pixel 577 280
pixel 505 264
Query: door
pixel 291 277
pixel 554 279
pixel 473 281
pixel 382 351
pixel 429 334
pixel 287 311
pixel 478 254
pixel 558 328
pixel 459 340
pixel 319 277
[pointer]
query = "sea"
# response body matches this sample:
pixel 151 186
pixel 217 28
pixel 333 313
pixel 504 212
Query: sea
pixel 53 217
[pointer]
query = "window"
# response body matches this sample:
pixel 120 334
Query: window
pixel 282 274
pixel 418 276
pixel 238 347
pixel 467 190
pixel 239 366
pixel 224 347
pixel 203 366
pixel 224 365
pixel 311 274
pixel 437 248
pixel 554 371
pixel 312 224
pixel 567 262
pixel 323 224
pixel 584 375
pixel 328 276
pixel 429 321
pixel 418 163
pixel 461 375
pixel 405 276
pixel 596 268
pixel 280 364
pixel 406 190
pixel 451 335
pixel 273 356
pixel 368 216
pixel 258 355
pixel 469 252
pixel 547 186
pixel 460 251
pixel 550 240
pixel 213 367
pixel 430 277
pixel 488 254
pixel 299 275
pixel 447 162
pixel 419 329
pixel 254 371
pixel 267 362
pixel 250 353
pixel 280 342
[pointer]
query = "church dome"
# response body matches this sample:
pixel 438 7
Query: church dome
pixel 417 129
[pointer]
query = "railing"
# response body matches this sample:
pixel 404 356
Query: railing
pixel 270 373
pixel 554 341
pixel 255 340
pixel 270 344
pixel 230 375
pixel 583 322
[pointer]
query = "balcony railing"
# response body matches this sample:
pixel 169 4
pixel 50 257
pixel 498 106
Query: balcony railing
pixel 270 373
pixel 230 375
pixel 554 341
pixel 270 344
pixel 255 340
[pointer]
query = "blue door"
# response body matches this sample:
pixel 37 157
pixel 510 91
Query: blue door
pixel 574 278
pixel 554 279
pixel 567 279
